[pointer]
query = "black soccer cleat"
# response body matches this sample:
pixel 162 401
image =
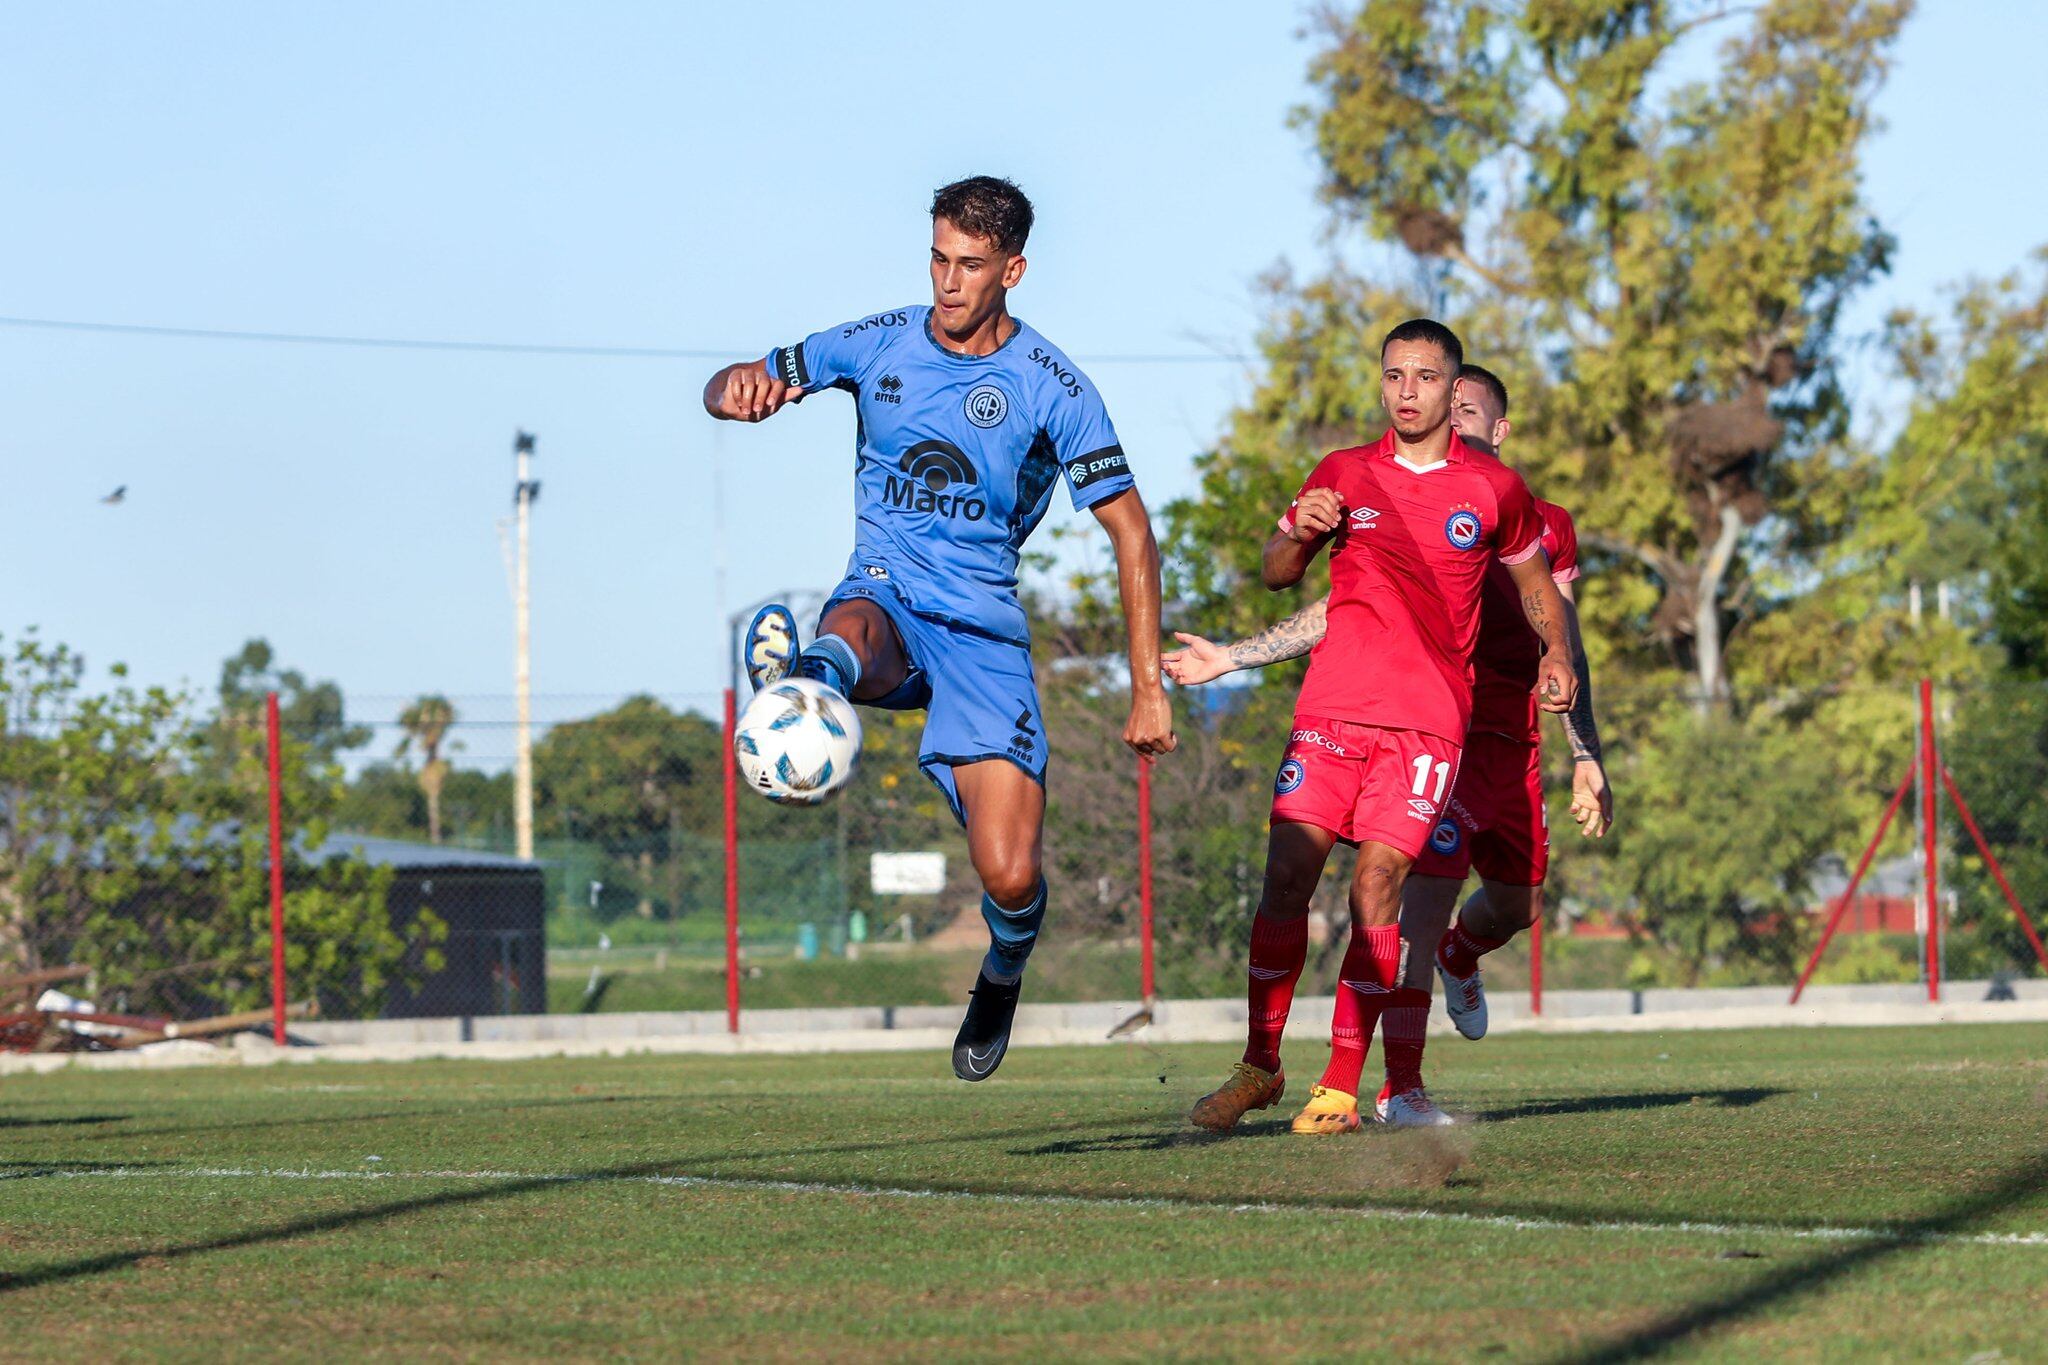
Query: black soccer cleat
pixel 985 1033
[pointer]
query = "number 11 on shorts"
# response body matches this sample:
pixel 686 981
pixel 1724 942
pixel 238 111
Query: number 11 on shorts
pixel 1443 775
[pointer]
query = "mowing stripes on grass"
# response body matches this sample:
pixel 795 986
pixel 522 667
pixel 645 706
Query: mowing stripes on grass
pixel 1902 1236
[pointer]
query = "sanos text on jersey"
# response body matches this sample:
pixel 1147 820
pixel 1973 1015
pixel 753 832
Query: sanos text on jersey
pixel 1051 364
pixel 896 319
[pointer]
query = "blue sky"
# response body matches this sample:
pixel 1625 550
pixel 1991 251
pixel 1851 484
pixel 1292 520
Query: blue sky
pixel 626 174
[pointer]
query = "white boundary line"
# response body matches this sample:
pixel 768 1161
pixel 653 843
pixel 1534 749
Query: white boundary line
pixel 1504 1222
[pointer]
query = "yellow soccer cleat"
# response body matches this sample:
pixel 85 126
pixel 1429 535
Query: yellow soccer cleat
pixel 1248 1088
pixel 1327 1111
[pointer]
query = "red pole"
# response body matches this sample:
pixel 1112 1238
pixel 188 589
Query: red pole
pixel 1536 963
pixel 270 727
pixel 1145 873
pixel 1933 877
pixel 1862 866
pixel 732 871
pixel 1991 861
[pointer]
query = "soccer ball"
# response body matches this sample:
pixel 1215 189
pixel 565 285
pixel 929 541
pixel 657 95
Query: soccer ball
pixel 797 742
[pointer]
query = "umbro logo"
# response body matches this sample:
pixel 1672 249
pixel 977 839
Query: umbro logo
pixel 1362 518
pixel 889 389
pixel 1420 809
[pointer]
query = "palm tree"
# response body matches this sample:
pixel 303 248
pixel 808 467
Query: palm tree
pixel 426 723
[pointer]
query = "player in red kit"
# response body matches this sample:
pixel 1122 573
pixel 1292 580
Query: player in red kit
pixel 1412 522
pixel 1495 821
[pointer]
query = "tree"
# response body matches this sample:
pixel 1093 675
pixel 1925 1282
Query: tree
pixel 133 840
pixel 311 712
pixel 1657 266
pixel 1730 821
pixel 426 724
pixel 634 780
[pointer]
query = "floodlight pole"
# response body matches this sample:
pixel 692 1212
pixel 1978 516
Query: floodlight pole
pixel 523 494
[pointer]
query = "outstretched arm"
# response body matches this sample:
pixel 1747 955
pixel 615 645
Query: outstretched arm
pixel 1203 661
pixel 1150 728
pixel 747 392
pixel 1592 798
pixel 1543 605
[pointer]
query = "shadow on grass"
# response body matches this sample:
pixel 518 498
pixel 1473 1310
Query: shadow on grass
pixel 1682 1329
pixel 938 1139
pixel 68 1121
pixel 1180 1135
pixel 1646 1099
pixel 85 1267
pixel 314 1117
pixel 1642 1343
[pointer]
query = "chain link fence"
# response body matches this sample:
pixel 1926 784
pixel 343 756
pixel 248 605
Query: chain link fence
pixel 147 866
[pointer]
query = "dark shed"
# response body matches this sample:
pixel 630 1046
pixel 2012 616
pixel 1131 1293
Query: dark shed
pixel 495 908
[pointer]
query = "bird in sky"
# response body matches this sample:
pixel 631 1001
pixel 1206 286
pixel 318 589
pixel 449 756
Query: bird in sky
pixel 117 497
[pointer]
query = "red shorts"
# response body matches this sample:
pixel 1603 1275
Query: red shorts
pixel 1496 822
pixel 1365 784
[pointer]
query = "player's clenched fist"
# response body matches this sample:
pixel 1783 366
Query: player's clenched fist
pixel 747 393
pixel 1315 514
pixel 1557 686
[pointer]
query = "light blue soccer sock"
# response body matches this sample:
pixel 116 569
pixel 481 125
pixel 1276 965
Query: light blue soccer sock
pixel 1011 935
pixel 831 661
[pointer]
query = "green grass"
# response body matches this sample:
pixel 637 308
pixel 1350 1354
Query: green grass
pixel 886 975
pixel 1921 1134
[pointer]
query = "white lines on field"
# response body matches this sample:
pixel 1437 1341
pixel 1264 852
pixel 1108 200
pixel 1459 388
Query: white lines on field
pixel 1136 1203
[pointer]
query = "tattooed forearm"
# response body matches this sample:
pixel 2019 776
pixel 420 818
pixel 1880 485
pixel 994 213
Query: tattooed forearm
pixel 1538 612
pixel 1290 639
pixel 1578 722
pixel 1579 727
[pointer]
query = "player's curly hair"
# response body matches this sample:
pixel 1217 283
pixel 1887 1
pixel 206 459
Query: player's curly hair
pixel 1489 381
pixel 986 206
pixel 1433 332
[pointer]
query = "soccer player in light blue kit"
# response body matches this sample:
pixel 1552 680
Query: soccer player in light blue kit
pixel 968 418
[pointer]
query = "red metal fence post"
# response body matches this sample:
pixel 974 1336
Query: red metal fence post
pixel 1856 878
pixel 1536 964
pixel 1930 780
pixel 732 870
pixel 1991 861
pixel 1145 874
pixel 271 728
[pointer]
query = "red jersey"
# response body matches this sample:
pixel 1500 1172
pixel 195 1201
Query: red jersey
pixel 1504 661
pixel 1406 571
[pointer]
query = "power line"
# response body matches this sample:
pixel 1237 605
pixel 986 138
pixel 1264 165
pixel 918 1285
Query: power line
pixel 512 347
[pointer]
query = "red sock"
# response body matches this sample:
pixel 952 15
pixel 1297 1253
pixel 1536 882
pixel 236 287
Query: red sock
pixel 1402 1026
pixel 1372 963
pixel 1461 949
pixel 1279 947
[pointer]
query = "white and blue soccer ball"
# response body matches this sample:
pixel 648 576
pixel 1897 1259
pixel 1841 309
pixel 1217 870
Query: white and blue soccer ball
pixel 797 742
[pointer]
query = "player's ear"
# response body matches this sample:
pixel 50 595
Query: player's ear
pixel 1500 432
pixel 1013 272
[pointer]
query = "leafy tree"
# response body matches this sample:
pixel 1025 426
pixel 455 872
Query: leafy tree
pixel 385 799
pixel 426 724
pixel 1997 748
pixel 134 839
pixel 1656 265
pixel 1729 820
pixel 310 712
pixel 635 780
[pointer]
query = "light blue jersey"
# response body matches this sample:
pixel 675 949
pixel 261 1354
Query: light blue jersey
pixel 957 458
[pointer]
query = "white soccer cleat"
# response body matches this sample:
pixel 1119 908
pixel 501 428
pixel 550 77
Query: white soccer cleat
pixel 1413 1109
pixel 1465 1001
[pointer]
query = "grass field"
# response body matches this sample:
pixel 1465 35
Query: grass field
pixel 1803 1194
